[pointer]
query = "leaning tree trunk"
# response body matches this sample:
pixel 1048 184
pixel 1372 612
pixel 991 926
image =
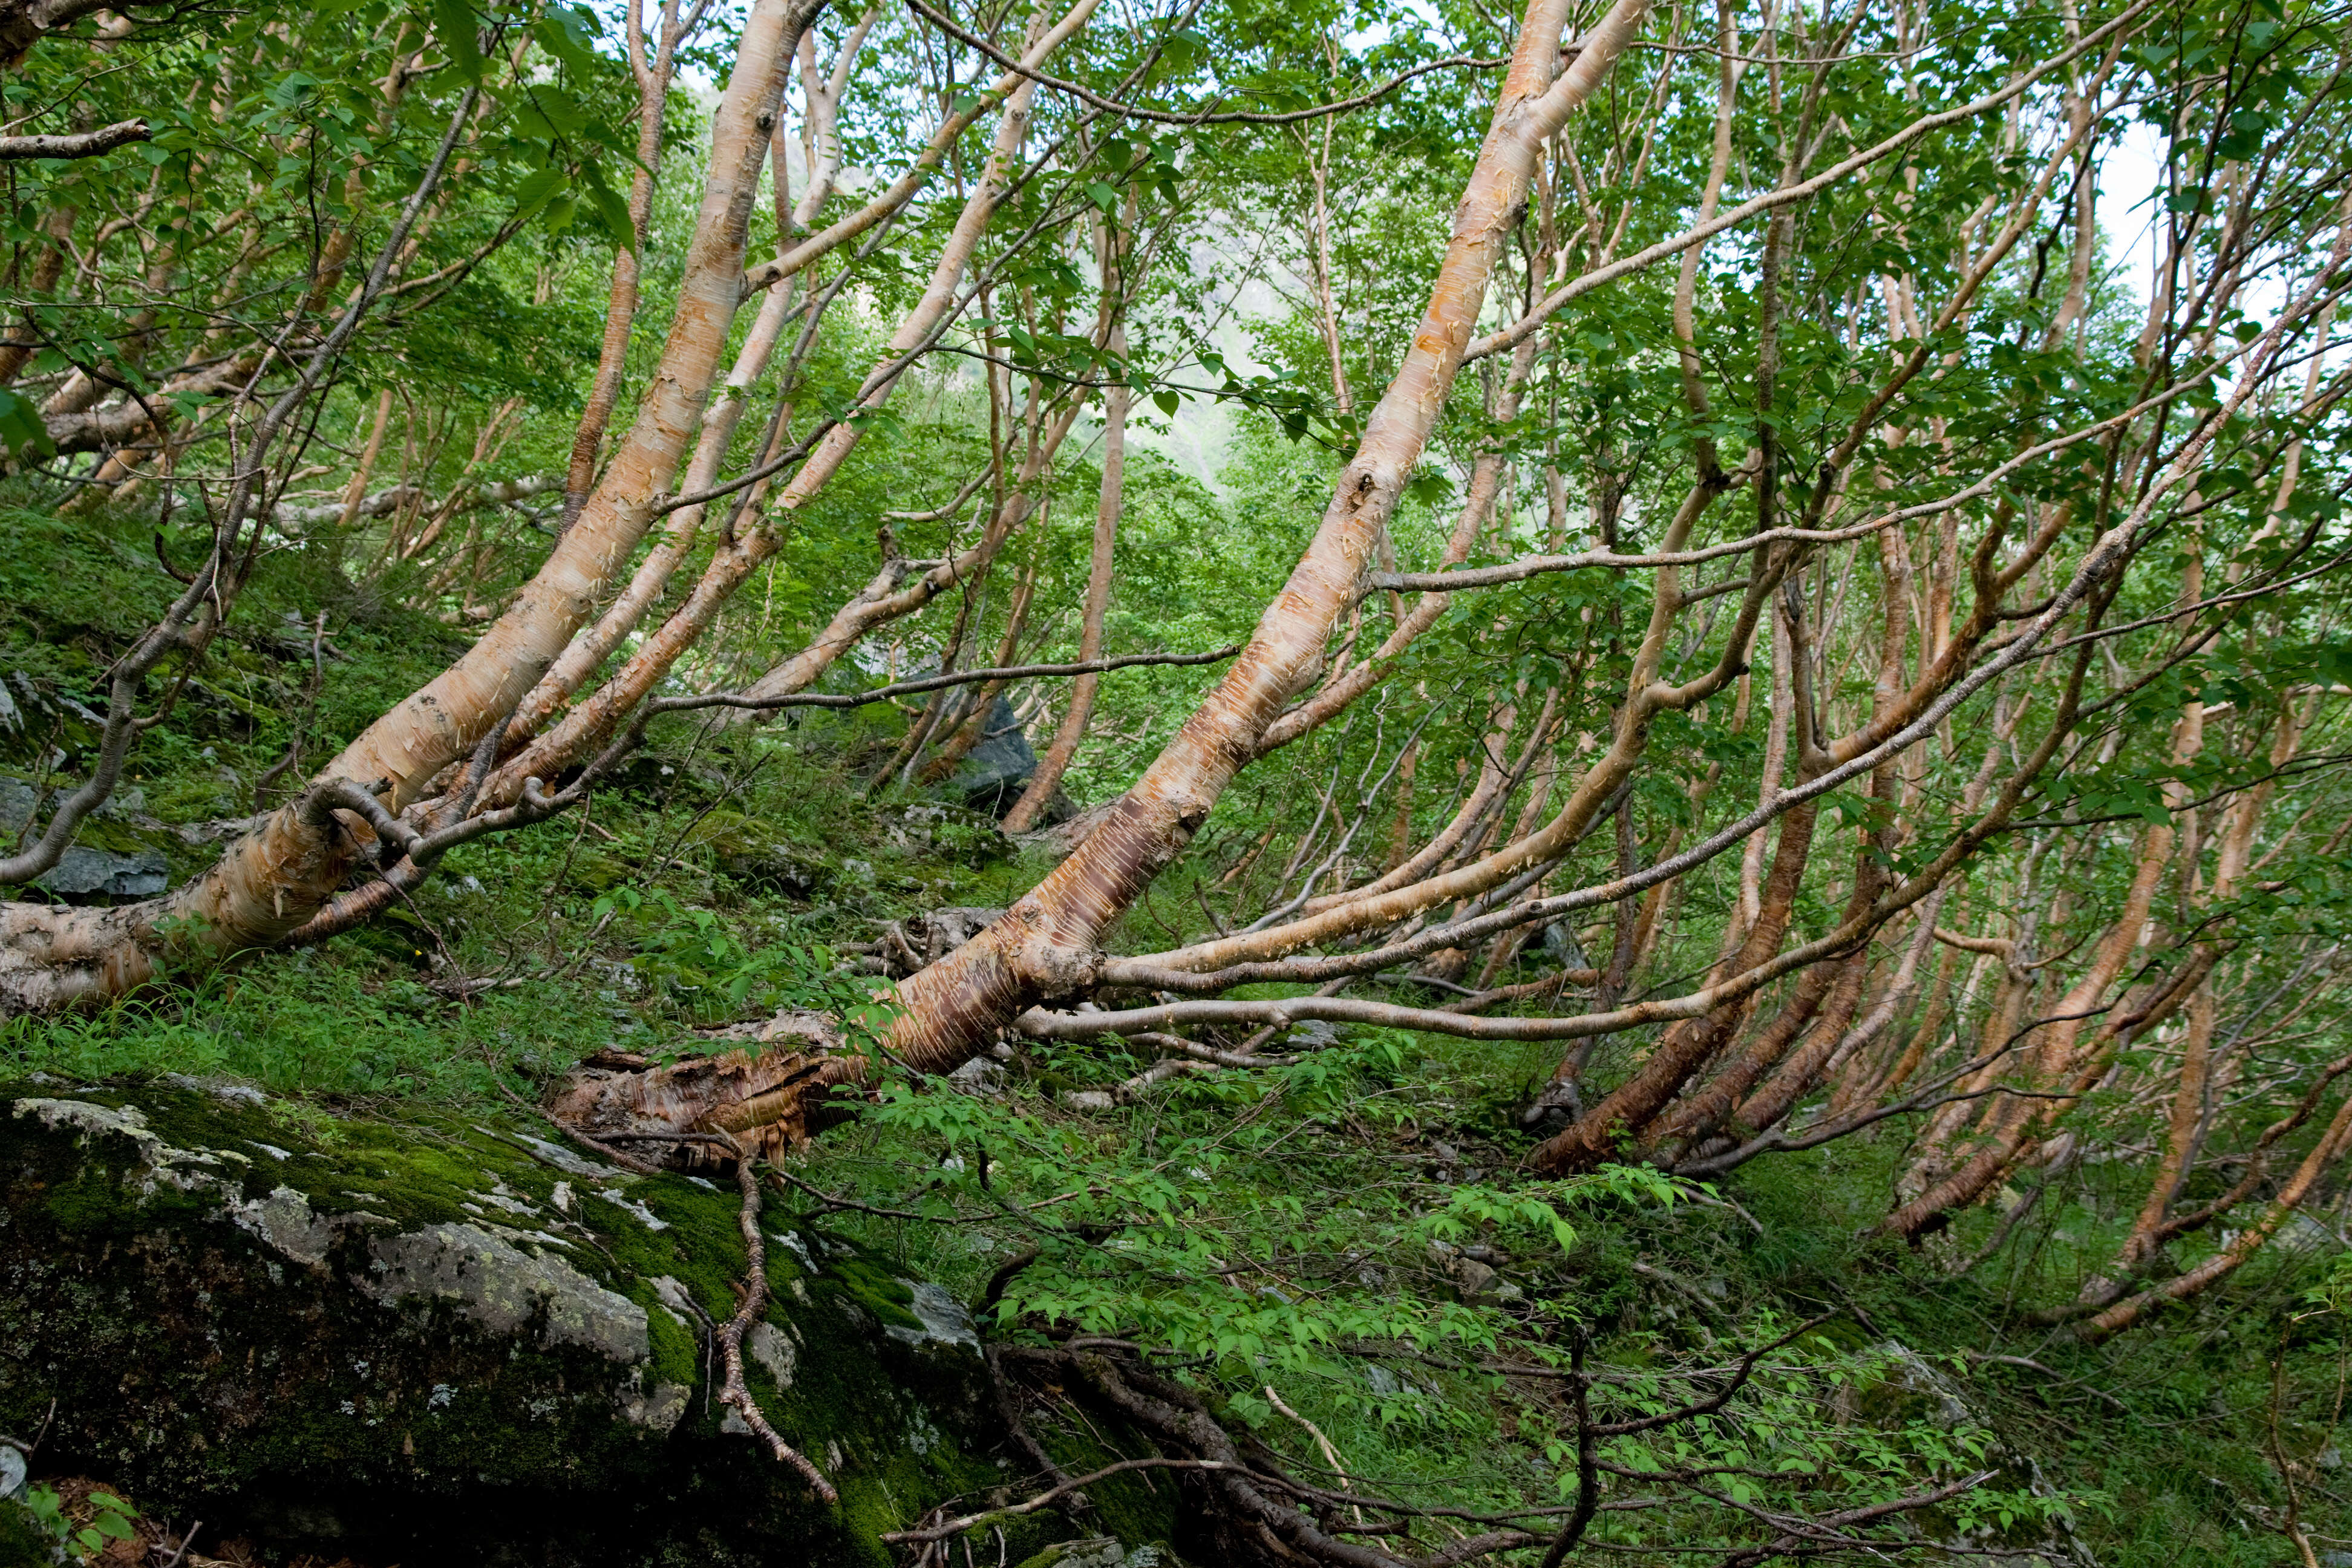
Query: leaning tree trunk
pixel 270 881
pixel 2055 1061
pixel 621 307
pixel 1073 729
pixel 1044 946
pixel 2229 1259
pixel 1690 1046
pixel 580 731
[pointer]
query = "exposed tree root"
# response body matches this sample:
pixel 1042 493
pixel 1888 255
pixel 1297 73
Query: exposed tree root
pixel 735 1394
pixel 765 1097
pixel 751 1303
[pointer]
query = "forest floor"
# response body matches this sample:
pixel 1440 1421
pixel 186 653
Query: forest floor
pixel 720 881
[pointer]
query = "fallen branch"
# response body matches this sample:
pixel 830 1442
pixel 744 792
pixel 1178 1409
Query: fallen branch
pixel 955 1527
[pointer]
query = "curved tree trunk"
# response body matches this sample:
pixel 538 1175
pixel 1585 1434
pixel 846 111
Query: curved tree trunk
pixel 1689 1047
pixel 269 882
pixel 2053 1060
pixel 595 643
pixel 442 721
pixel 2327 1151
pixel 586 726
pixel 1073 728
pixel 621 305
pixel 1044 945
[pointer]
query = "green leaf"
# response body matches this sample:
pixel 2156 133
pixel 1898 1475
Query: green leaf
pixel 1167 400
pixel 570 33
pixel 610 207
pixel 537 190
pixel 459 32
pixel 1429 487
pixel 561 109
pixel 21 427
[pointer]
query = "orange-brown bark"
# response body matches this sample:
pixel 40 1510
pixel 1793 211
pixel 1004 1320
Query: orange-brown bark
pixel 2330 1147
pixel 269 882
pixel 621 306
pixel 1044 945
pixel 2053 1059
pixel 1073 727
pixel 1689 1046
pixel 441 721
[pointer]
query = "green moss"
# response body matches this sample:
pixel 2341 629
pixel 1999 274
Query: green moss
pixel 874 1287
pixel 23 1542
pixel 202 1364
pixel 678 1356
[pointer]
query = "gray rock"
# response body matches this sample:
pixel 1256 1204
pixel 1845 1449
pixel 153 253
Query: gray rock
pixel 1100 1551
pixel 944 1318
pixel 767 866
pixel 1067 828
pixel 85 871
pixel 772 1349
pixel 935 935
pixel 233 1305
pixel 221 1089
pixel 1561 944
pixel 555 1154
pixel 127 803
pixel 16 800
pixel 996 772
pixel 981 1075
pixel 507 1290
pixel 286 1220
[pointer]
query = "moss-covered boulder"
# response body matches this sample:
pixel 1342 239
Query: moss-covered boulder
pixel 1908 1391
pixel 431 1340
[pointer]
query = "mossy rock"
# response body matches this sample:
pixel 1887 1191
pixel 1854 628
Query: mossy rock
pixel 23 1542
pixel 427 1340
pixel 1912 1390
pixel 939 830
pixel 750 852
pixel 1096 1552
pixel 118 852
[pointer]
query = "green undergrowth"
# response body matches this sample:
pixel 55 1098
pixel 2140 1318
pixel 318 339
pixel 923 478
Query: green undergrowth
pixel 1302 1228
pixel 1289 1233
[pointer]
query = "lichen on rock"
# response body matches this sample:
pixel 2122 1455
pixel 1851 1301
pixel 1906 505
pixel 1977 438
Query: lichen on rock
pixel 448 1342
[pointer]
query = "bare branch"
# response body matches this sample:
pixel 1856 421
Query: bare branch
pixel 81 144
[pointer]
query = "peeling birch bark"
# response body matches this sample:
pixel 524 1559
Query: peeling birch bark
pixel 269 882
pixel 1044 946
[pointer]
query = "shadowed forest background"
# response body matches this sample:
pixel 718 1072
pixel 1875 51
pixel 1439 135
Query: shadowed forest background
pixel 1189 783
